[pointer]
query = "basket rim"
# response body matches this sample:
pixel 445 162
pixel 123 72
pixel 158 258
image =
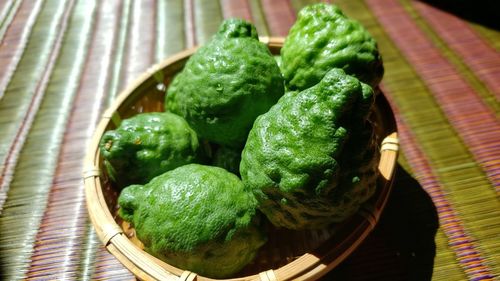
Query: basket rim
pixel 146 267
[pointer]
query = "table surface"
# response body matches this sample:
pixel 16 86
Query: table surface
pixel 64 61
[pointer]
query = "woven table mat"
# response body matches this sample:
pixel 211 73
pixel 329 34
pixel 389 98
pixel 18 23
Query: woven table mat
pixel 62 62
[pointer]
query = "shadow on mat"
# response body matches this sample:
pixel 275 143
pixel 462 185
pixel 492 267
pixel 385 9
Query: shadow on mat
pixel 484 12
pixel 402 246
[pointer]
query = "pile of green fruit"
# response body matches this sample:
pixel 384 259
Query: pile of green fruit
pixel 242 136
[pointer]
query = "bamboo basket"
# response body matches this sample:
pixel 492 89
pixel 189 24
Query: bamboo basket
pixel 288 255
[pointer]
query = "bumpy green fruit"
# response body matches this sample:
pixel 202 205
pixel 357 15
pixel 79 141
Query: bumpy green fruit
pixel 195 217
pixel 311 159
pixel 323 38
pixel 147 145
pixel 226 84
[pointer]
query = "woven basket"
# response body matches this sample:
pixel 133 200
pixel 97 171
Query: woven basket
pixel 288 255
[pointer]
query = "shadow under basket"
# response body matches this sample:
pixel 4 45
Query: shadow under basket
pixel 288 255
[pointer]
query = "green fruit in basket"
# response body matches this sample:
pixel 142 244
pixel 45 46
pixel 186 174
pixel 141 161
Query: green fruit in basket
pixel 323 38
pixel 226 84
pixel 311 159
pixel 197 218
pixel 147 145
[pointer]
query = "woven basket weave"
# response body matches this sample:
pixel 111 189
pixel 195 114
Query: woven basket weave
pixel 288 255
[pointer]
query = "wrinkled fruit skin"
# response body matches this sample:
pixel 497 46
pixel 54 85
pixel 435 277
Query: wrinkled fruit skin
pixel 226 84
pixel 323 38
pixel 147 145
pixel 196 217
pixel 311 159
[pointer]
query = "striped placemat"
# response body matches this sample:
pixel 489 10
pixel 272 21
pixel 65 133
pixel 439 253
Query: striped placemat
pixel 62 62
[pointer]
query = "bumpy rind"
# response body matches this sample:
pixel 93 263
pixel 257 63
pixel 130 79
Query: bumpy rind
pixel 147 145
pixel 311 159
pixel 226 84
pixel 196 217
pixel 323 38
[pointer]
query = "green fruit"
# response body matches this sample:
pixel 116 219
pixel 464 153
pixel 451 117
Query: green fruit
pixel 311 160
pixel 196 217
pixel 147 145
pixel 359 173
pixel 226 84
pixel 323 38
